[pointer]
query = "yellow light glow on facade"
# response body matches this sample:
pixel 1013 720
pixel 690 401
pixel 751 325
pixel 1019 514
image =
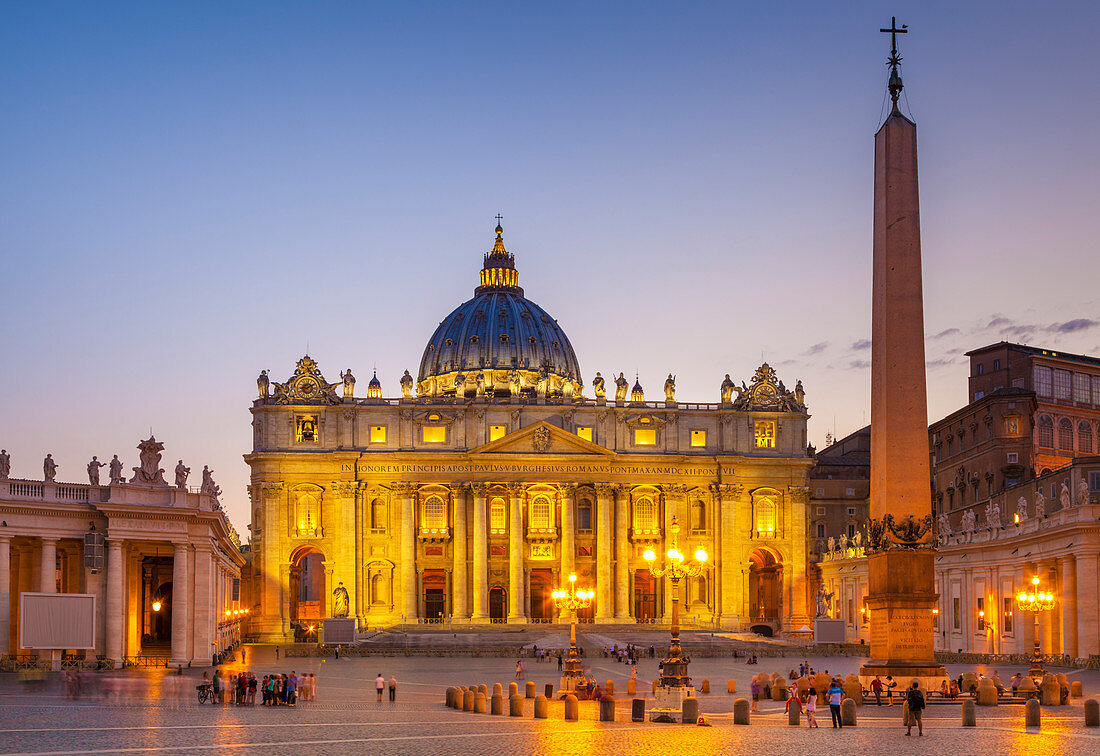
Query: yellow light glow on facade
pixel 378 434
pixel 156 606
pixel 497 431
pixel 433 434
pixel 306 429
pixel 700 556
pixel 765 434
pixel 649 556
pixel 645 437
pixel 698 438
pixel 585 432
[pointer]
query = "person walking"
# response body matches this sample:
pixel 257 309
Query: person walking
pixel 876 688
pixel 559 661
pixel 337 653
pixel 519 669
pixel 379 686
pixel 914 697
pixel 890 685
pixel 834 695
pixel 811 710
pixel 393 688
pixel 276 653
pixel 754 688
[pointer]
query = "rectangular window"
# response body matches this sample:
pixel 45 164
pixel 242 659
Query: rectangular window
pixel 851 530
pixel 1081 389
pixel 1007 614
pixel 996 364
pixel 306 429
pixel 821 530
pixel 1013 458
pixel 981 368
pixel 978 395
pixel 378 434
pixel 698 438
pixel 645 437
pixel 849 492
pixel 1041 377
pixel 585 432
pixel 851 511
pixel 956 607
pixel 1094 481
pixel 1063 384
pixel 496 431
pixel 584 517
pixel 765 434
pixel 820 492
pixel 433 434
pixel 821 510
pixel 1096 389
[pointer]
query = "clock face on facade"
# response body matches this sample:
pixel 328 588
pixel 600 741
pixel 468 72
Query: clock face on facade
pixel 765 394
pixel 307 387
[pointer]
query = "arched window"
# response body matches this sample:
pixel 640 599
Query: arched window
pixel 645 515
pixel 435 514
pixel 765 515
pixel 498 516
pixel 1084 437
pixel 1046 432
pixel 540 514
pixel 378 514
pixel 378 590
pixel 1065 434
pixel 698 516
pixel 307 513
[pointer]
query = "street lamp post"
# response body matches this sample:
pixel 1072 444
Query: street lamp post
pixel 1035 601
pixel 675 684
pixel 571 601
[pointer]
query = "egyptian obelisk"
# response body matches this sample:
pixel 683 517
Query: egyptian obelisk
pixel 901 583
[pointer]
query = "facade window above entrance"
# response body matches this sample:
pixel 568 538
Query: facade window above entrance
pixel 497 431
pixel 498 517
pixel 306 429
pixel 378 434
pixel 765 434
pixel 585 432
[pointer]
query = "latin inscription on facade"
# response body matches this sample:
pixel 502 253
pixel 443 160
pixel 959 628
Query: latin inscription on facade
pixel 520 468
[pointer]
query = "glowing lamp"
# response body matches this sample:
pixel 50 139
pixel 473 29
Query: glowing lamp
pixel 700 556
pixel 1022 597
pixel 156 606
pixel 572 578
pixel 1035 580
pixel 649 556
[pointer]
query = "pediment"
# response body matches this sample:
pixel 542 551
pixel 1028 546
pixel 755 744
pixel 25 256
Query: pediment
pixel 541 438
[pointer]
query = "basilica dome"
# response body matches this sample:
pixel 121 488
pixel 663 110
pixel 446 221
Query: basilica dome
pixel 499 342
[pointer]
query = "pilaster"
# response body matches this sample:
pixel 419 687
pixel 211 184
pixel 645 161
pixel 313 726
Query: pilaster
pixel 460 611
pixel 516 593
pixel 605 501
pixel 480 613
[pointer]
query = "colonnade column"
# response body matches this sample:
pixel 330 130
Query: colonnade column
pixel 406 495
pixel 48 566
pixel 480 612
pixel 271 619
pixel 5 593
pixel 605 493
pixel 459 609
pixel 797 534
pixel 568 529
pixel 345 567
pixel 1088 605
pixel 725 499
pixel 115 600
pixel 181 603
pixel 1069 604
pixel 622 556
pixel 674 496
pixel 205 622
pixel 515 556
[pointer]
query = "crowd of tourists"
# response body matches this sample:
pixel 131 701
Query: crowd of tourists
pixel 275 689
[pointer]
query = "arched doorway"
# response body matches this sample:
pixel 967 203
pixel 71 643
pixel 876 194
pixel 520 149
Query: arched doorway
pixel 764 576
pixel 307 586
pixel 497 604
pixel 435 595
pixel 645 596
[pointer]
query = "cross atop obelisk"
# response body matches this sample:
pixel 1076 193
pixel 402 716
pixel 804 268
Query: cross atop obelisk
pixel 894 60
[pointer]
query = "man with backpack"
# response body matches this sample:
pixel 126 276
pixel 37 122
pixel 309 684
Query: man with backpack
pixel 914 698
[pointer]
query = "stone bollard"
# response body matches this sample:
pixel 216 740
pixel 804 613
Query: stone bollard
pixel 1032 713
pixel 970 679
pixel 572 708
pixel 637 710
pixel 741 711
pixel 450 697
pixel 848 712
pixel 655 685
pixel 731 686
pixel 607 709
pixel 529 690
pixel 1092 713
pixel 496 704
pixel 515 706
pixel 689 708
pixel 498 689
pixel 542 707
pixel 468 701
pixel 483 689
pixel 548 690
pixel 794 715
pixel 479 703
pixel 705 687
pixel 1027 688
pixel 970 714
pixel 609 686
pixel 1050 693
pixel 1076 690
pixel 987 694
pixel 778 692
pixel 853 691
pixel 513 689
pixel 631 688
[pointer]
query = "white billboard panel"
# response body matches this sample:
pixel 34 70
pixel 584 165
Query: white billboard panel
pixel 829 630
pixel 56 620
pixel 337 631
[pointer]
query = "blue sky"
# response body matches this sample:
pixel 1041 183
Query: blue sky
pixel 193 192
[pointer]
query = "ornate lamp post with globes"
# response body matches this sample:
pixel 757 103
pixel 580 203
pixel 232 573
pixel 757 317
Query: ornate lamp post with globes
pixel 571 601
pixel 675 684
pixel 1035 601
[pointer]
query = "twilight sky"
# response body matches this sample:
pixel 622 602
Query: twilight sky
pixel 192 193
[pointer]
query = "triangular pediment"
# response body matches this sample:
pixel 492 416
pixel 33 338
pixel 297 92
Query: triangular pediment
pixel 541 438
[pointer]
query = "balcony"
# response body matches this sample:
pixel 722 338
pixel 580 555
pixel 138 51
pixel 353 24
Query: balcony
pixel 434 535
pixel 645 535
pixel 542 535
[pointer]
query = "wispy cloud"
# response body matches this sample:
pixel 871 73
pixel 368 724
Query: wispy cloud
pixel 816 349
pixel 861 345
pixel 946 333
pixel 942 362
pixel 859 364
pixel 1080 324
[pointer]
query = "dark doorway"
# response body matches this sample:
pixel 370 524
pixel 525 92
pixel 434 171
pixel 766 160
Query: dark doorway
pixel 542 602
pixel 496 605
pixel 645 596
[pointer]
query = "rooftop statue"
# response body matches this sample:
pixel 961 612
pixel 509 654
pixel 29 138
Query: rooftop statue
pixel 1021 508
pixel 262 384
pixel 93 470
pixel 1063 496
pixel 209 487
pixel 620 389
pixel 407 385
pixel 349 383
pixel 670 388
pixel 727 390
pixel 5 464
pixel 1040 505
pixel 149 473
pixel 49 468
pixel 1082 491
pixel 181 475
pixel 115 471
pixel 598 387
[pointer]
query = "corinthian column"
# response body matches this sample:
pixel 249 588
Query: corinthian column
pixel 729 568
pixel 796 533
pixel 568 528
pixel 605 494
pixel 459 609
pixel 515 556
pixel 115 568
pixel 406 497
pixel 480 548
pixel 5 593
pixel 622 556
pixel 48 568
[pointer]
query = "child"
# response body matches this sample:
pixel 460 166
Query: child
pixel 811 711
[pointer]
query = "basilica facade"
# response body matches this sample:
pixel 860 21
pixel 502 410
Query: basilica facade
pixel 471 495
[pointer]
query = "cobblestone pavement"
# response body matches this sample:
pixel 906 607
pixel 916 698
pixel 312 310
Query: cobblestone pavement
pixel 154 711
